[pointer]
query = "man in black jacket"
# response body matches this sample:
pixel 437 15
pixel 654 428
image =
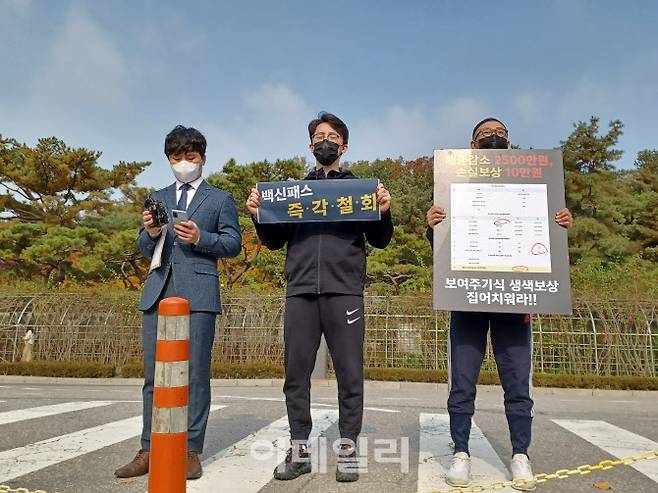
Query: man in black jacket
pixel 326 272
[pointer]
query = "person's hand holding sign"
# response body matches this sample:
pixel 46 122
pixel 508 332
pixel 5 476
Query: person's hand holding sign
pixel 564 218
pixel 253 202
pixel 435 215
pixel 383 199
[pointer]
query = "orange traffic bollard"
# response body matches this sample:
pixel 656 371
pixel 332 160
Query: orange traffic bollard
pixel 168 460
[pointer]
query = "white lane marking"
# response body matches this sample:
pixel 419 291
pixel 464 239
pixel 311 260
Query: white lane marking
pixel 35 456
pixel 51 410
pixel 239 470
pixel 313 404
pixel 267 399
pixel 244 398
pixel 614 440
pixel 435 455
pixel 29 388
pixel 381 410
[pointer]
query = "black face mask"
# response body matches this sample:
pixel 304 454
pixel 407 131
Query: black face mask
pixel 493 142
pixel 326 152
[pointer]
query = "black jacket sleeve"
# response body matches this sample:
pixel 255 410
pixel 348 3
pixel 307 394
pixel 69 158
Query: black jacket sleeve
pixel 379 233
pixel 429 234
pixel 273 236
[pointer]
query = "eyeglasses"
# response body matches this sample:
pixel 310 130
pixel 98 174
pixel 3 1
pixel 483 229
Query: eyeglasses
pixel 488 132
pixel 331 137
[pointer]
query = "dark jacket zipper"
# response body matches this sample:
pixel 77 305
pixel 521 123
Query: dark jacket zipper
pixel 319 250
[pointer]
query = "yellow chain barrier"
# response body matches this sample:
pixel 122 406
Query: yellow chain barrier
pixel 604 465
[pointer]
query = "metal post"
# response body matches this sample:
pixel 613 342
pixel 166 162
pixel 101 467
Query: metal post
pixel 436 340
pixel 15 353
pixel 541 344
pixel 168 460
pixel 596 347
pixel 651 360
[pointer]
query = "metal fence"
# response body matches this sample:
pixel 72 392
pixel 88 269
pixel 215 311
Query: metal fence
pixel 601 337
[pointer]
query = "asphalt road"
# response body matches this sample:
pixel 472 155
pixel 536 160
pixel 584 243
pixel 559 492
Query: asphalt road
pixel 64 436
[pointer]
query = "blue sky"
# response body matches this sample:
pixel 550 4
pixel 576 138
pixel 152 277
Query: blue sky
pixel 406 76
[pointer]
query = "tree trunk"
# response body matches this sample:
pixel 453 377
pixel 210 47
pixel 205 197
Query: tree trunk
pixel 61 272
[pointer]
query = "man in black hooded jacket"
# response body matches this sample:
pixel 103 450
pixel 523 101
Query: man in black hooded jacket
pixel 326 272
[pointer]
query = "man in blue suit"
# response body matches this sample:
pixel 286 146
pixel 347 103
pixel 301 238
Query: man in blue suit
pixel 187 268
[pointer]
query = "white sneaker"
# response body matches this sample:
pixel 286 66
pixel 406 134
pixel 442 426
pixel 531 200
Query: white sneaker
pixel 522 469
pixel 459 473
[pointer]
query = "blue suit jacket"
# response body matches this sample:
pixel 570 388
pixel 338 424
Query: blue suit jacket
pixel 194 267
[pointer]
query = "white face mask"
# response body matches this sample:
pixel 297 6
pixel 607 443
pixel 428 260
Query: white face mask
pixel 185 172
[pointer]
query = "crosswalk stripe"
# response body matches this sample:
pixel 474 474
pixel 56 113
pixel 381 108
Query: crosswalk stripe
pixel 614 440
pixel 51 410
pixel 237 470
pixel 35 456
pixel 381 410
pixel 435 455
pixel 316 404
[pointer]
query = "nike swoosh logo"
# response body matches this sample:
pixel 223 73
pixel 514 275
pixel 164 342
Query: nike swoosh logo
pixel 348 312
pixel 350 322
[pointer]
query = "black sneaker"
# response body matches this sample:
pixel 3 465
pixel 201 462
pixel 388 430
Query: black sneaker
pixel 297 462
pixel 347 465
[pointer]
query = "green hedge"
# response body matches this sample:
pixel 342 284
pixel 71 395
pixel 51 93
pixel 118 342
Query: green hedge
pixel 539 379
pixel 76 369
pixel 80 369
pixel 219 370
pixel 266 370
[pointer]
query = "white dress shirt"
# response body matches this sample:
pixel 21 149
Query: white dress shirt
pixel 190 193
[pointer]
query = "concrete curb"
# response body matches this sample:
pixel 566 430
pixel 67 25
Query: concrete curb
pixel 373 384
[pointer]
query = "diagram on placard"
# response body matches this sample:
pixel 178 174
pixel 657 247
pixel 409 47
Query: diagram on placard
pixel 499 227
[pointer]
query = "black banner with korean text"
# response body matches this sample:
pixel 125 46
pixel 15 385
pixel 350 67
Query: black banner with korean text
pixel 318 201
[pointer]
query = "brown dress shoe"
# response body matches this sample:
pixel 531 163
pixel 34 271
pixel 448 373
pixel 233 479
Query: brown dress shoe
pixel 194 470
pixel 138 467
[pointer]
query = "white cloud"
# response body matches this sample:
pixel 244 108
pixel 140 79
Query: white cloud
pixel 270 123
pixel 84 71
pixel 415 131
pixel 16 6
pixel 586 97
pixel 529 107
pixel 13 16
